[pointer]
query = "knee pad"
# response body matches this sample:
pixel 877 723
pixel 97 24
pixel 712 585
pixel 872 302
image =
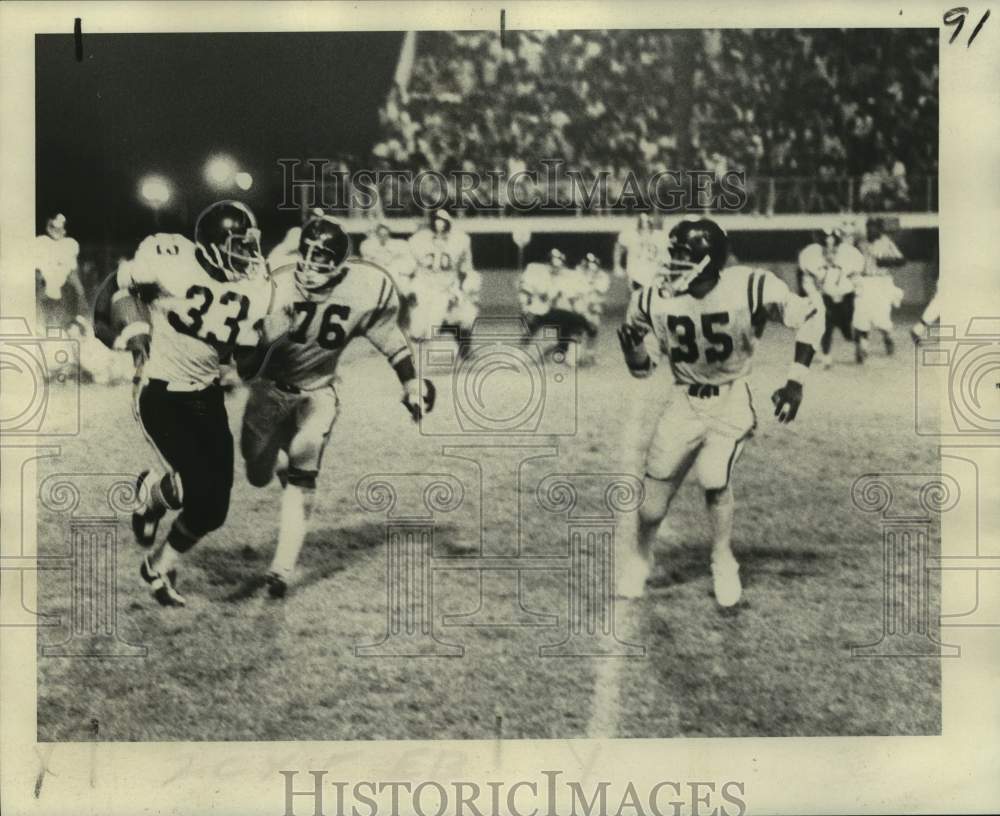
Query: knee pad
pixel 306 479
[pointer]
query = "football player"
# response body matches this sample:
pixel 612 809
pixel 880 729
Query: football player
pixel 60 294
pixel 643 248
pixel 553 295
pixel 393 255
pixel 828 273
pixel 876 294
pixel 706 320
pixel 330 298
pixel 182 307
pixel 597 285
pixel 445 285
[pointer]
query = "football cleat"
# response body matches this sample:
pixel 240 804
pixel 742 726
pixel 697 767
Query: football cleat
pixel 277 586
pixel 726 580
pixel 145 522
pixel 163 586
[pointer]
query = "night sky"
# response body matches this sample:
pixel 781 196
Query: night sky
pixel 163 103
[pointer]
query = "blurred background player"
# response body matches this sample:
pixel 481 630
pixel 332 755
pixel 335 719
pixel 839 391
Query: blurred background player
pixel 828 271
pixel 644 249
pixel 706 320
pixel 445 285
pixel 59 290
pixel 876 293
pixel 203 299
pixel 330 298
pixel 597 283
pixel 394 256
pixel 552 294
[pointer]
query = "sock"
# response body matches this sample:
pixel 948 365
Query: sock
pixel 162 495
pixel 166 559
pixel 296 503
pixel 720 513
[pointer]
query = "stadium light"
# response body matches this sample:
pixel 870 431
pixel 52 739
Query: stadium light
pixel 244 180
pixel 221 171
pixel 155 191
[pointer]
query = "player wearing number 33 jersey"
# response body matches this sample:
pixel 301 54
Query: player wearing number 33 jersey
pixel 706 320
pixel 329 298
pixel 204 299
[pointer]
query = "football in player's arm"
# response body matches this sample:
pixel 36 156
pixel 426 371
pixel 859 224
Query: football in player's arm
pixel 329 297
pixel 181 307
pixel 706 320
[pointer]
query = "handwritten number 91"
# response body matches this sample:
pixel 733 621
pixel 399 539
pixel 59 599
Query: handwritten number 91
pixel 956 17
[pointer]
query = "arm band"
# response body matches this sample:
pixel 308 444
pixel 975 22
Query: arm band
pixel 404 369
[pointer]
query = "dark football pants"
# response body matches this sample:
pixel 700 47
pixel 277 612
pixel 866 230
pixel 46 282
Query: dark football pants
pixel 190 429
pixel 838 316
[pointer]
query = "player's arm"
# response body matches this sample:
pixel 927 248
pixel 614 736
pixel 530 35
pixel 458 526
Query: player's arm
pixel 631 334
pixel 771 299
pixel 121 320
pixel 381 327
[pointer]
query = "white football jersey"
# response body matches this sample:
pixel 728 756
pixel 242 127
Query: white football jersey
pixel 441 259
pixel 55 259
pixel 711 340
pixel 364 303
pixel 193 316
pixel 834 276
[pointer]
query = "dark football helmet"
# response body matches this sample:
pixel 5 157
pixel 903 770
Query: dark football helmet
pixel 698 248
pixel 228 242
pixel 323 248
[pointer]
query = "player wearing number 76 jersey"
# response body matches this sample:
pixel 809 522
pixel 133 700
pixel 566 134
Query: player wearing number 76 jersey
pixel 330 298
pixel 203 300
pixel 706 320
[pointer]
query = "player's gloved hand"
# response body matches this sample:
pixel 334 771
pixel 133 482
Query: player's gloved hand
pixel 787 400
pixel 636 356
pixel 418 398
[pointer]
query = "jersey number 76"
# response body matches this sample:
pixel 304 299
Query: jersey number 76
pixel 330 333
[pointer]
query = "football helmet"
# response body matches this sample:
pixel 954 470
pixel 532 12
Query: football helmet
pixel 441 222
pixel 56 226
pixel 227 242
pixel 645 222
pixel 382 232
pixel 698 248
pixel 323 248
pixel 830 239
pixel 557 259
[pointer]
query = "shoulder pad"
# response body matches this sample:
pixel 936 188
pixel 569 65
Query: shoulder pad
pixel 164 244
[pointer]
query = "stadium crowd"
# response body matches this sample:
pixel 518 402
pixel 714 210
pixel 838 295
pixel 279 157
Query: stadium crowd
pixel 609 100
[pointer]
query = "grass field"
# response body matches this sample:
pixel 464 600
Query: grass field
pixel 235 665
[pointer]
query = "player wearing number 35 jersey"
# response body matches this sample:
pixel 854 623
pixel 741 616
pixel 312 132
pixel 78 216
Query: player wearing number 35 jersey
pixel 203 301
pixel 330 298
pixel 706 320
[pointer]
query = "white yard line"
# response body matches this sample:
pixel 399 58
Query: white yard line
pixel 606 706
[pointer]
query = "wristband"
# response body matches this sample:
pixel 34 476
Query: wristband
pixel 797 372
pixel 404 369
